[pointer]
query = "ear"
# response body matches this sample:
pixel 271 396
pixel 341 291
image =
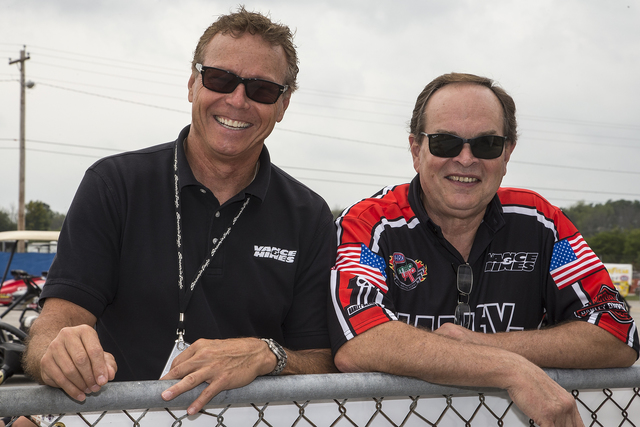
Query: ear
pixel 415 152
pixel 508 149
pixel 192 80
pixel 286 97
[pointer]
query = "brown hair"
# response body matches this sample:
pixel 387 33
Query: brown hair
pixel 241 22
pixel 418 119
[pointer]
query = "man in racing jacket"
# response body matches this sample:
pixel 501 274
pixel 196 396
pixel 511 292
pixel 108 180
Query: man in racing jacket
pixel 453 253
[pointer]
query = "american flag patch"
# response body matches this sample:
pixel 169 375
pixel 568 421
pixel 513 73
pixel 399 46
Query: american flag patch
pixel 359 260
pixel 572 260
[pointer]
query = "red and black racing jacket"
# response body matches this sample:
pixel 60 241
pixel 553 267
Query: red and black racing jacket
pixel 531 268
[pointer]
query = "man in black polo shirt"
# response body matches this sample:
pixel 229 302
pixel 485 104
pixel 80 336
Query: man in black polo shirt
pixel 454 280
pixel 201 240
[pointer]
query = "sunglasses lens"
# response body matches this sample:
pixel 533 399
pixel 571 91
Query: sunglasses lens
pixel 219 80
pixel 442 145
pixel 482 147
pixel 487 147
pixel 222 81
pixel 262 91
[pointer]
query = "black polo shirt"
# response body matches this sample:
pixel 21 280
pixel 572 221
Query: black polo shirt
pixel 117 258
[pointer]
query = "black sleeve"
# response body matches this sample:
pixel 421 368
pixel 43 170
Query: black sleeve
pixel 84 270
pixel 305 326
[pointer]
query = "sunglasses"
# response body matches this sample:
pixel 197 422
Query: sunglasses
pixel 464 282
pixel 482 147
pixel 223 81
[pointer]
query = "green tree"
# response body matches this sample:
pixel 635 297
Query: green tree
pixel 56 221
pixel 632 248
pixel 593 219
pixel 38 215
pixel 5 221
pixel 608 245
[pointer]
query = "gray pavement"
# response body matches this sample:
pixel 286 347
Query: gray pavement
pixel 13 317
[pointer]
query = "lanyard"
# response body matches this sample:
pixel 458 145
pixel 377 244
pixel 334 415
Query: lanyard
pixel 186 293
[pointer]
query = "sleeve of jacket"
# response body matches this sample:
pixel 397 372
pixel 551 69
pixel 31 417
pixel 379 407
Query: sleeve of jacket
pixel 359 297
pixel 581 288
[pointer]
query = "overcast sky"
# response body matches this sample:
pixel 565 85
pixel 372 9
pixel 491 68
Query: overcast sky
pixel 112 76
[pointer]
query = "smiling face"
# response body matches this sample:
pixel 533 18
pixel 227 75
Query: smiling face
pixel 231 128
pixel 460 187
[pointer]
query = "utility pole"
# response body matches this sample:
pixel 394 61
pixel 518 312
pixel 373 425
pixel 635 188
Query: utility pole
pixel 21 217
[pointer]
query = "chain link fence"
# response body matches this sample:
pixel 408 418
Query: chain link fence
pixel 605 397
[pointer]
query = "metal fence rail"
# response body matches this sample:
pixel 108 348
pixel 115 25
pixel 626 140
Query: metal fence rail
pixel 605 397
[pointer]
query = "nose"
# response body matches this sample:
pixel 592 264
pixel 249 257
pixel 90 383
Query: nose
pixel 238 98
pixel 466 157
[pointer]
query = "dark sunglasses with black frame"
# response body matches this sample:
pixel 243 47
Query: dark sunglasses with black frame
pixel 464 283
pixel 223 81
pixel 482 147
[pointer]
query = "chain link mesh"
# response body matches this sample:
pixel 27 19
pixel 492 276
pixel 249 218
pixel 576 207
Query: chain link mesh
pixel 607 407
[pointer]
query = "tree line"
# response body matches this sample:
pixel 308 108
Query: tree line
pixel 38 216
pixel 612 229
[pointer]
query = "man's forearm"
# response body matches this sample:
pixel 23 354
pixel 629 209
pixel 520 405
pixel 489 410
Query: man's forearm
pixel 577 344
pixel 400 349
pixel 44 330
pixel 36 348
pixel 317 361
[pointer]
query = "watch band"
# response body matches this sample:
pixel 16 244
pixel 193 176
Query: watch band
pixel 281 355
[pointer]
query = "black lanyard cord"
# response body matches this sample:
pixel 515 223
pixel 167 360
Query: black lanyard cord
pixel 185 294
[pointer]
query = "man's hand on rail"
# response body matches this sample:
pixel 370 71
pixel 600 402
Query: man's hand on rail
pixel 64 350
pixel 542 399
pixel 223 364
pixel 76 362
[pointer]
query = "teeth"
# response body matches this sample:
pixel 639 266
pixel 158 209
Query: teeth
pixel 232 124
pixel 462 179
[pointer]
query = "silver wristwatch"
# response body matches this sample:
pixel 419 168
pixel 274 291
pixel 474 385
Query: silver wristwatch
pixel 281 355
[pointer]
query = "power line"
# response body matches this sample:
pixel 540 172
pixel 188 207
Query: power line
pixel 598 144
pixel 285 167
pixel 146 80
pixel 53 152
pixel 84 55
pixel 369 184
pixel 573 190
pixel 339 118
pixel 357 97
pixel 144 68
pixel 351 140
pixel 337 138
pixel 377 100
pixel 66 145
pixel 119 89
pixel 344 172
pixel 575 167
pixel 348 119
pixel 607 137
pixel 116 99
pixel 580 122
